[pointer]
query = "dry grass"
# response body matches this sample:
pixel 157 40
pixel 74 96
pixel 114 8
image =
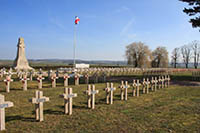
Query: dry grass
pixel 174 109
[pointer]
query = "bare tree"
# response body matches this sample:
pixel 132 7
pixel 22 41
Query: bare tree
pixel 196 52
pixel 160 57
pixel 138 54
pixel 186 54
pixel 175 57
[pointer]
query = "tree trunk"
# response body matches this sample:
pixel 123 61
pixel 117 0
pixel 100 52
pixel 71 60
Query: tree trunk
pixel 186 65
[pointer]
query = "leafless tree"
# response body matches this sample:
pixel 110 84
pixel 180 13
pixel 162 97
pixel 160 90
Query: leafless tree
pixel 196 52
pixel 138 54
pixel 186 54
pixel 175 57
pixel 160 57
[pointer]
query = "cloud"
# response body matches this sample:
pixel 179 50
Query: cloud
pixel 56 22
pixel 89 16
pixel 122 9
pixel 126 28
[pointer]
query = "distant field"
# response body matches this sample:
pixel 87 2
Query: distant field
pixel 174 109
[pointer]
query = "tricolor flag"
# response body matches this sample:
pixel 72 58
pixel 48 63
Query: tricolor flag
pixel 77 20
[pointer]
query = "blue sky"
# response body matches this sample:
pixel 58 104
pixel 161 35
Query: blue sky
pixel 106 27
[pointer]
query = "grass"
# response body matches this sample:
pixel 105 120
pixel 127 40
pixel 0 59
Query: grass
pixel 173 109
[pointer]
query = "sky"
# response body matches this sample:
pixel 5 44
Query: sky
pixel 106 27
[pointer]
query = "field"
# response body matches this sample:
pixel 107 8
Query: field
pixel 173 109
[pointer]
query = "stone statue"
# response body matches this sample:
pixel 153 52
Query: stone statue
pixel 21 63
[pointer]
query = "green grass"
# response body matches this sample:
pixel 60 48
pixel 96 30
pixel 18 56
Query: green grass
pixel 174 109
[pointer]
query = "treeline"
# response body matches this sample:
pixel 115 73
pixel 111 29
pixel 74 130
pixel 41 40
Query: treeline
pixel 187 54
pixel 139 55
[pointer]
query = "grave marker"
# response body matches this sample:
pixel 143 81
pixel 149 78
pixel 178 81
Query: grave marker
pixel 134 87
pixel 86 79
pixel 138 88
pixel 39 79
pixel 122 90
pixel 144 85
pixel 76 78
pixel 38 100
pixel 162 80
pixel 109 93
pixel 53 80
pixel 3 104
pixel 91 96
pixel 168 81
pixel 155 83
pixel 66 77
pixel 68 95
pixel 31 75
pixel 152 84
pixel 147 85
pixel 126 90
pixel 7 81
pixel 24 82
pixel 159 82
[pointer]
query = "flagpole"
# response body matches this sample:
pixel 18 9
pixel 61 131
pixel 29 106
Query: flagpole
pixel 74 45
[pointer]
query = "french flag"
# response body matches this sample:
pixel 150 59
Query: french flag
pixel 77 20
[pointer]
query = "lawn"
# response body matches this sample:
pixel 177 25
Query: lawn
pixel 173 109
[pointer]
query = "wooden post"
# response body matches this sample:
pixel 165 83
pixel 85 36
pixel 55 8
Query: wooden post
pixel 53 80
pixel 122 90
pixel 126 90
pixel 144 85
pixel 38 100
pixel 24 82
pixel 138 88
pixel 76 78
pixel 152 84
pixel 39 79
pixel 91 96
pixel 168 81
pixel 155 83
pixel 134 87
pixel 68 95
pixel 159 82
pixel 7 82
pixel 109 93
pixel 162 80
pixel 86 79
pixel 147 85
pixel 3 104
pixel 165 81
pixel 88 92
pixel 66 77
pixel 31 76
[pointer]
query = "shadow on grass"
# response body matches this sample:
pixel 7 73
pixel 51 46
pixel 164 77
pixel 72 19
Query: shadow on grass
pixel 53 112
pixel 18 117
pixel 80 107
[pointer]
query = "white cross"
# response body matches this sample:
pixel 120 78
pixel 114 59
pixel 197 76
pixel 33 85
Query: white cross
pixel 68 95
pixel 91 96
pixel 38 100
pixel 7 81
pixel 3 105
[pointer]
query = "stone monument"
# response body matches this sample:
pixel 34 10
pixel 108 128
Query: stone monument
pixel 21 63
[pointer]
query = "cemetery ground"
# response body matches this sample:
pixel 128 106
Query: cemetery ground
pixel 173 109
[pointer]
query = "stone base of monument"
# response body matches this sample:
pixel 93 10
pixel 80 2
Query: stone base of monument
pixel 21 63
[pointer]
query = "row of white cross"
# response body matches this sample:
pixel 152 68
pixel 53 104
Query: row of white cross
pixel 39 99
pixel 40 78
